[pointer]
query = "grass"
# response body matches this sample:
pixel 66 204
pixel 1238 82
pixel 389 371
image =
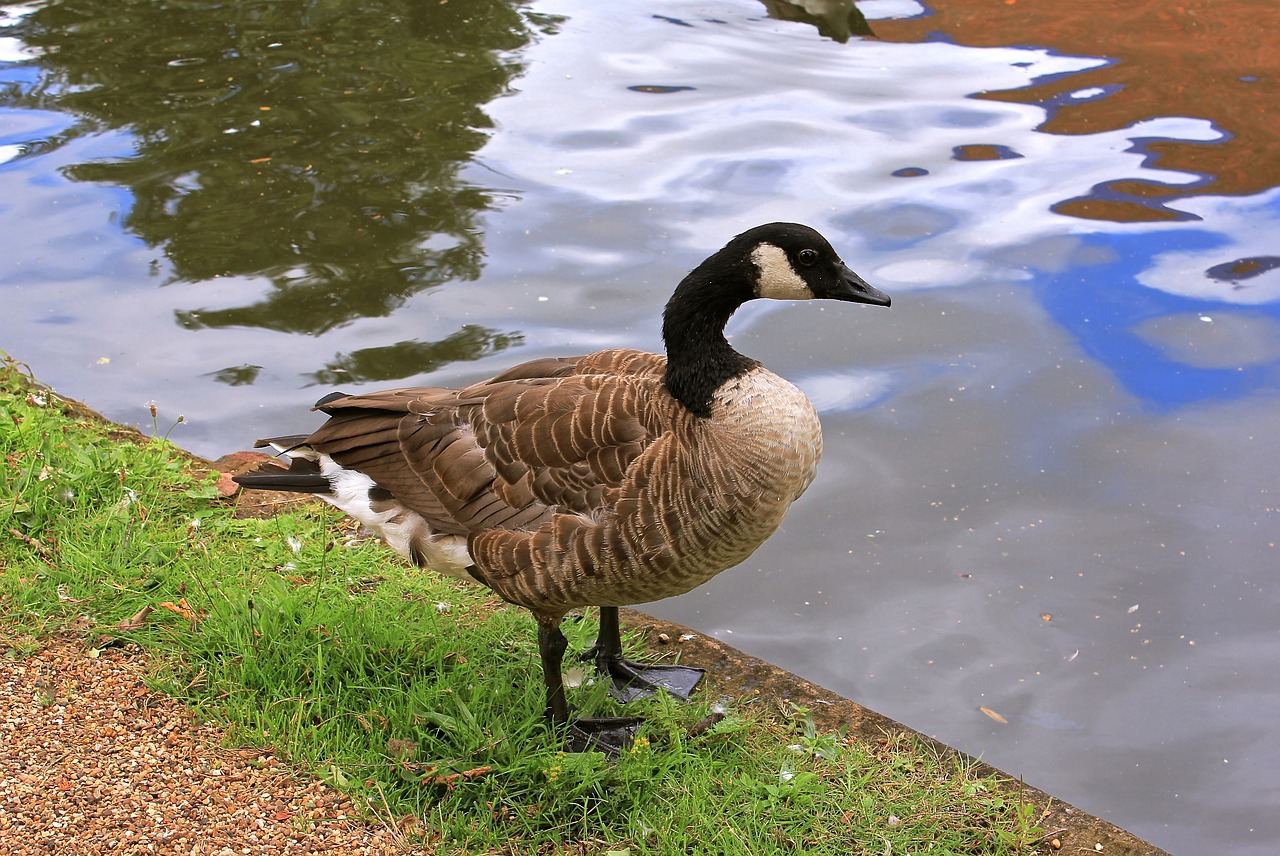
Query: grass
pixel 420 696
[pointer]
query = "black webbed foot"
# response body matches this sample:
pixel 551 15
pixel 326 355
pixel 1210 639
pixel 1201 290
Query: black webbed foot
pixel 632 680
pixel 612 735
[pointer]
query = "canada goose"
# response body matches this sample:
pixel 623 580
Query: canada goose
pixel 615 478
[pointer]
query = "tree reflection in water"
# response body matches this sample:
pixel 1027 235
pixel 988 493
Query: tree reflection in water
pixel 316 145
pixel 1205 59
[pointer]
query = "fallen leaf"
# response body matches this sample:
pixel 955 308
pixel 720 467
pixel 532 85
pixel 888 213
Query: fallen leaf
pixel 451 780
pixel 182 609
pixel 707 722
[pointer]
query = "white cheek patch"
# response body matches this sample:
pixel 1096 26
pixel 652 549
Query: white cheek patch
pixel 778 279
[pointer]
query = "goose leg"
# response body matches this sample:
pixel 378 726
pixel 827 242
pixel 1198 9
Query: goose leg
pixel 608 735
pixel 632 680
pixel 551 647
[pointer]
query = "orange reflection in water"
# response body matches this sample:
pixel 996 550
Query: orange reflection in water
pixel 1208 59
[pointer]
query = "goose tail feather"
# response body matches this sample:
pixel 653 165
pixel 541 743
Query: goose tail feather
pixel 302 476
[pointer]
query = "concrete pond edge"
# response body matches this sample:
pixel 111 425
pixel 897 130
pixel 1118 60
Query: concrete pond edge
pixel 736 674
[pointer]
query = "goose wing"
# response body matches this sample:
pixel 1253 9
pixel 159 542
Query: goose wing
pixel 547 436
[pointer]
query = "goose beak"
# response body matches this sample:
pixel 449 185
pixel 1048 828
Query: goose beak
pixel 855 289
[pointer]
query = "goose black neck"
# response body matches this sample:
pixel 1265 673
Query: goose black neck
pixel 699 358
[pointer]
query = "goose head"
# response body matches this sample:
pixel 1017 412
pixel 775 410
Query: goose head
pixel 794 262
pixel 782 261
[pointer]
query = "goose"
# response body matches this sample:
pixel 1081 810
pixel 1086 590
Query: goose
pixel 604 480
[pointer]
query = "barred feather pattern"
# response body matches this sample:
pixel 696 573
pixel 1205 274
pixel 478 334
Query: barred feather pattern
pixel 582 481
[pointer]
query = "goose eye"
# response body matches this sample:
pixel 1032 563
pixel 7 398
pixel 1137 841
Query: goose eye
pixel 807 257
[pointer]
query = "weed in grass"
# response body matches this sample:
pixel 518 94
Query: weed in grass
pixel 419 696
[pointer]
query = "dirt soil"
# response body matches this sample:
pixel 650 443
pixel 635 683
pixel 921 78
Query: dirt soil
pixel 92 761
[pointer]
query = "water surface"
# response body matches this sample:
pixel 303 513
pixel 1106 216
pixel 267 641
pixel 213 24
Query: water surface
pixel 1049 485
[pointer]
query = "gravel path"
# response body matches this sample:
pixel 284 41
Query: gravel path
pixel 91 761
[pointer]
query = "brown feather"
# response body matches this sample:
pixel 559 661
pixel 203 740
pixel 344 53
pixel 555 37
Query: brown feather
pixel 555 469
pixel 583 481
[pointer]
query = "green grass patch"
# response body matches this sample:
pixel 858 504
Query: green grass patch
pixel 418 695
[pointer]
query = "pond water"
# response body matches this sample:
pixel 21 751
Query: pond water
pixel 1050 480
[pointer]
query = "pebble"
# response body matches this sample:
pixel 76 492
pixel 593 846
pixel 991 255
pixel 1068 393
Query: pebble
pixel 95 762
